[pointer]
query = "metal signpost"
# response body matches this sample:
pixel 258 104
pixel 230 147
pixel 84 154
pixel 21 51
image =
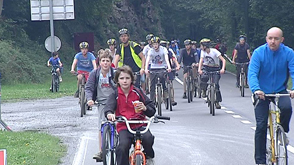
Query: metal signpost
pixel 52 10
pixel 2 123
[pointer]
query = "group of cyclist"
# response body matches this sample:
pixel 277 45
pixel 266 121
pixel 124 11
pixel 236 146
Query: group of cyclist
pixel 135 63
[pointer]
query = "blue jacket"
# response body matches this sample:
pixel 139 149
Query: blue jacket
pixel 269 70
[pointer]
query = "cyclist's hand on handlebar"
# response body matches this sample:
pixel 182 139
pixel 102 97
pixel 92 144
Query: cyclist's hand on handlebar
pixel 72 71
pixel 111 117
pixel 147 71
pixel 169 69
pixel 90 102
pixel 260 94
pixel 200 72
pixel 141 72
pixel 233 62
pixel 292 94
pixel 222 71
pixel 178 68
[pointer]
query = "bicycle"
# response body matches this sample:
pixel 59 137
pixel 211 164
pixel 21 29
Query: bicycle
pixel 109 142
pixel 190 84
pixel 55 79
pixel 211 97
pixel 276 150
pixel 169 86
pixel 158 90
pixel 82 96
pixel 242 78
pixel 137 157
pixel 197 82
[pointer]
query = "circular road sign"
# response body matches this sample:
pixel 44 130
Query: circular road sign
pixel 48 44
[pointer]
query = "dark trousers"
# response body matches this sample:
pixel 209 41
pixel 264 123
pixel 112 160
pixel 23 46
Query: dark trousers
pixel 261 115
pixel 126 139
pixel 138 81
pixel 153 79
pixel 203 84
pixel 238 68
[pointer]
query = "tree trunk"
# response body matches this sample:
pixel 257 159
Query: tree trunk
pixel 1 6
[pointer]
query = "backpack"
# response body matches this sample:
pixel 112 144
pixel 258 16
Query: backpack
pixel 97 75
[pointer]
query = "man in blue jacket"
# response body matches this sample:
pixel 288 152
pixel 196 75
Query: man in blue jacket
pixel 268 73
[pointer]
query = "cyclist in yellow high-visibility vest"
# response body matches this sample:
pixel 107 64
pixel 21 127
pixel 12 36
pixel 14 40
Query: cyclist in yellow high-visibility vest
pixel 130 53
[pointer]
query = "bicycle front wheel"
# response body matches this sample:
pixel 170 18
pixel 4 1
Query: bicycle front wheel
pixel 170 95
pixel 139 160
pixel 53 84
pixel 212 100
pixel 188 89
pixel 82 102
pixel 242 77
pixel 281 146
pixel 159 99
pixel 107 152
pixel 191 89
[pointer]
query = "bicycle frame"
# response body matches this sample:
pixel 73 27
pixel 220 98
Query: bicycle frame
pixel 112 130
pixel 242 70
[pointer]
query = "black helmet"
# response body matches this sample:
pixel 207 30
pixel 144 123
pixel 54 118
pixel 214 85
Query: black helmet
pixel 84 45
pixel 155 39
pixel 111 42
pixel 187 42
pixel 205 42
pixel 149 36
pixel 123 31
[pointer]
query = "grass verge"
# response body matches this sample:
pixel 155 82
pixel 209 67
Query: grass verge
pixel 31 148
pixel 16 92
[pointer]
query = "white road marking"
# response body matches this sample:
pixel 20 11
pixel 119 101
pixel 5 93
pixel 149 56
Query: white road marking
pixel 230 112
pixel 179 81
pixel 245 121
pixel 254 128
pixel 224 108
pixel 237 116
pixel 290 148
pixel 79 158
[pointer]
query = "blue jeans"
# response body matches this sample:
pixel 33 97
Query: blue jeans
pixel 261 115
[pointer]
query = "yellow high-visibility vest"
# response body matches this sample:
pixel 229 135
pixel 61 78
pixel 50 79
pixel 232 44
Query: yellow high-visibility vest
pixel 136 58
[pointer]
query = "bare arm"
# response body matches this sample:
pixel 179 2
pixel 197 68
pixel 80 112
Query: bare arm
pixel 147 62
pixel 234 55
pixel 74 63
pixel 200 65
pixel 116 59
pixel 143 59
pixel 94 64
pixel 224 63
pixel 248 53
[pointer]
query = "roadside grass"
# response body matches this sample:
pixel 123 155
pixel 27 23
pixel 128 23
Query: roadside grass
pixel 31 148
pixel 17 92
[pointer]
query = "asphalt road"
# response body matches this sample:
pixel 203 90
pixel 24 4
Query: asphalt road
pixel 191 137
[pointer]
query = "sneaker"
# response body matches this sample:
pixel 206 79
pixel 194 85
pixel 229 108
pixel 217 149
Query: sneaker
pixel 217 106
pixel 98 157
pixel 76 94
pixel 237 85
pixel 184 96
pixel 89 108
pixel 246 86
pixel 174 103
pixel 60 79
pixel 203 94
pixel 50 89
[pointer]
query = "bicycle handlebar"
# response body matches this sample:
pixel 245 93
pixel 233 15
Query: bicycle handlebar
pixel 161 71
pixel 122 119
pixel 277 95
pixel 241 63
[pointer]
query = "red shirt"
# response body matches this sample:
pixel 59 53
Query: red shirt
pixel 126 108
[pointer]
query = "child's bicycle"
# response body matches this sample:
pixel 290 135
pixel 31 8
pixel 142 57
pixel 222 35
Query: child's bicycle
pixel 137 157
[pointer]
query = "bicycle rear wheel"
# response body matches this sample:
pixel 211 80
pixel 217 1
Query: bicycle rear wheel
pixel 198 86
pixel 107 152
pixel 212 100
pixel 53 84
pixel 167 99
pixel 281 146
pixel 159 99
pixel 191 89
pixel 170 96
pixel 242 78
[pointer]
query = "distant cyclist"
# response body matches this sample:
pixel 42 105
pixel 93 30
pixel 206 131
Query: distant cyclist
pixel 174 65
pixel 241 55
pixel 145 51
pixel 174 46
pixel 142 45
pixel 130 53
pixel 85 62
pixel 98 87
pixel 189 57
pixel 210 61
pixel 112 46
pixel 54 61
pixel 158 56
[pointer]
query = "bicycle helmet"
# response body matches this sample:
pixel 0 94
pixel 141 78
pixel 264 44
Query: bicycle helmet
pixel 84 45
pixel 111 42
pixel 142 43
pixel 149 36
pixel 242 36
pixel 187 42
pixel 205 42
pixel 155 39
pixel 163 43
pixel 123 31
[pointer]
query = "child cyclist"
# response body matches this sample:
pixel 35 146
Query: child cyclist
pixel 54 61
pixel 98 87
pixel 120 103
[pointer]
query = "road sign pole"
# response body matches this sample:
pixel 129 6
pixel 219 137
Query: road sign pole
pixel 2 123
pixel 52 26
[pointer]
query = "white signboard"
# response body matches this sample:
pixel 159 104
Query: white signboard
pixel 62 10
